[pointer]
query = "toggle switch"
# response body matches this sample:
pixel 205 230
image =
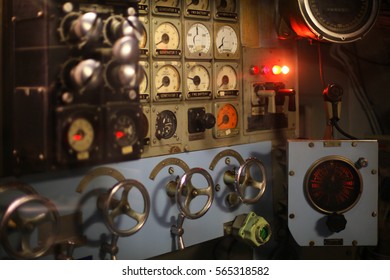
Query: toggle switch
pixel 270 95
pixel 280 98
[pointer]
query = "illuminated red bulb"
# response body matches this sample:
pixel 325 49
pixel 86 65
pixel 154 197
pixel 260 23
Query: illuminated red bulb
pixel 78 137
pixel 119 134
pixel 255 70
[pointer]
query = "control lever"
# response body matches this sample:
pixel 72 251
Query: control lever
pixel 26 221
pixel 270 95
pixel 280 98
pixel 113 208
pixel 242 179
pixel 185 194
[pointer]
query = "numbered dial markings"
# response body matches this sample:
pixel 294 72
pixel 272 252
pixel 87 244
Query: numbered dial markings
pixel 198 39
pixel 227 117
pixel 166 125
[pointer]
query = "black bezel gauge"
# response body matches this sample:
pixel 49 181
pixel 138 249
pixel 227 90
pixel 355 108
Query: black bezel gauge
pixel 333 185
pixel 338 21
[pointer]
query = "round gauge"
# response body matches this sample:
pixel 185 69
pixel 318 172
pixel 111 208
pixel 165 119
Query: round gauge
pixel 143 85
pixel 166 36
pixel 227 117
pixel 197 4
pixel 167 79
pixel 226 78
pixel 228 6
pixel 125 131
pixel 198 79
pixel 80 135
pixel 166 124
pixel 144 38
pixel 198 39
pixel 226 40
pixel 166 3
pixel 333 185
pixel 335 21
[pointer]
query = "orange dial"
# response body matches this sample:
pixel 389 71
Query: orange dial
pixel 227 117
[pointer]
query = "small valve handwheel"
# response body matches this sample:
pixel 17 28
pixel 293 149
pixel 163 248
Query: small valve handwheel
pixel 186 190
pixel 112 208
pixel 27 224
pixel 244 179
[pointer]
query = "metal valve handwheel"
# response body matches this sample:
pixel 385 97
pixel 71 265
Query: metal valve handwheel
pixel 244 179
pixel 186 189
pixel 26 225
pixel 112 208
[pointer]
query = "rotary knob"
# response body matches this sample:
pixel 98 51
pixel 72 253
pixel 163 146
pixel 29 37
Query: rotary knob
pixel 86 74
pixel 86 27
pixel 208 120
pixel 126 49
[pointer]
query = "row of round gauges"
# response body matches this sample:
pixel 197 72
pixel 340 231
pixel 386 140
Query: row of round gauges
pixel 168 81
pixel 224 9
pixel 167 123
pixel 202 40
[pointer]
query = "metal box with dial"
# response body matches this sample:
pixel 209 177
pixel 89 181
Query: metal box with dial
pixel 227 117
pixel 227 41
pixel 198 80
pixel 167 81
pixel 144 42
pixel 333 192
pixel 145 82
pixel 166 38
pixel 226 10
pixel 226 81
pixel 198 40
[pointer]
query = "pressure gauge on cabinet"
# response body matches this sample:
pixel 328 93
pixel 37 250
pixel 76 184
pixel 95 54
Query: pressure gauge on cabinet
pixel 167 81
pixel 166 39
pixel 166 7
pixel 197 8
pixel 144 40
pixel 198 80
pixel 226 81
pixel 198 40
pixel 226 41
pixel 80 136
pixel 227 122
pixel 226 9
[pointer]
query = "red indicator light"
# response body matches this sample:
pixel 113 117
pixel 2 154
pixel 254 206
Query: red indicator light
pixel 255 70
pixel 77 137
pixel 119 134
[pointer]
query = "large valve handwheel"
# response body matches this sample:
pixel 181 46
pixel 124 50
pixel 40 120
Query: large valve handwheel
pixel 186 192
pixel 244 179
pixel 26 224
pixel 113 208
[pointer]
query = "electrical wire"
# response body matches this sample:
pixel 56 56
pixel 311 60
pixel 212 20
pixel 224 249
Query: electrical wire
pixel 339 129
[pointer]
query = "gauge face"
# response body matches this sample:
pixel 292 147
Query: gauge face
pixel 166 3
pixel 143 85
pixel 144 38
pixel 227 117
pixel 226 41
pixel 226 5
pixel 198 79
pixel 166 124
pixel 167 79
pixel 341 16
pixel 125 131
pixel 198 39
pixel 197 4
pixel 333 185
pixel 226 78
pixel 166 36
pixel 80 135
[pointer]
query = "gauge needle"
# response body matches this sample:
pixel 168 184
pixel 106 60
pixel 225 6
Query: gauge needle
pixel 220 46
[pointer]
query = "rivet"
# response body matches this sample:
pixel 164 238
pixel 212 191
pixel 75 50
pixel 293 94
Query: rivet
pixel 291 173
pixel 291 216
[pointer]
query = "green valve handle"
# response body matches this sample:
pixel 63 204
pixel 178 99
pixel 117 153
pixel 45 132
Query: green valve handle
pixel 252 229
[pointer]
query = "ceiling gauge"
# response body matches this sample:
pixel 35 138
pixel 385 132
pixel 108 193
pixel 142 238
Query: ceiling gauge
pixel 198 41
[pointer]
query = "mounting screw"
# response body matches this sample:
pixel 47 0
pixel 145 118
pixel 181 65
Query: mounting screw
pixel 291 173
pixel 291 216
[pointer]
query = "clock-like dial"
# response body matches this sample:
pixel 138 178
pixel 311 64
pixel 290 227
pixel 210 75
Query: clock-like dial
pixel 227 117
pixel 226 41
pixel 333 185
pixel 226 5
pixel 124 131
pixel 226 78
pixel 198 40
pixel 166 36
pixel 166 125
